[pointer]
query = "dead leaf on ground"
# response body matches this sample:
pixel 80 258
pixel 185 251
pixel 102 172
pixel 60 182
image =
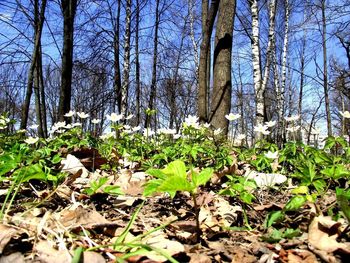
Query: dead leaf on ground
pixel 14 257
pixel 160 240
pixel 46 253
pixel 6 233
pixel 72 165
pixel 199 258
pixel 93 257
pixel 323 234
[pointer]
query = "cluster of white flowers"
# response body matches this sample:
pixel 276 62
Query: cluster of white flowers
pixel 271 155
pixel 192 121
pixel 293 128
pixel 262 129
pixel 31 140
pixel 166 131
pixel 3 122
pixel 232 116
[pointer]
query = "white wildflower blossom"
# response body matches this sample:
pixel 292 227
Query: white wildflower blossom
pixel 292 118
pixel 293 128
pixel 177 136
pixel 270 123
pixel 261 129
pixel 206 125
pixel 217 131
pixel 271 155
pixel 241 137
pixel 34 126
pixel 232 116
pixel 115 117
pixel 135 129
pixel 69 114
pixel 148 132
pixel 192 121
pixel 31 140
pixel 96 121
pixel 129 116
pixel 83 115
pixel 107 135
pixel 345 114
pixel 77 124
pixel 58 125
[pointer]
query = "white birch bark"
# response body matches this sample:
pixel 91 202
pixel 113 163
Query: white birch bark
pixel 192 36
pixel 126 66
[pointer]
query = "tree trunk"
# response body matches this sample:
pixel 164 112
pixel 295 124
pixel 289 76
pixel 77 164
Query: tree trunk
pixel 153 91
pixel 208 18
pixel 68 9
pixel 221 98
pixel 137 65
pixel 126 67
pixel 38 26
pixel 325 68
pixel 257 78
pixel 117 79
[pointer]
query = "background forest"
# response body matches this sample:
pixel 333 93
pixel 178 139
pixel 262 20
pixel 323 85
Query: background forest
pixel 288 58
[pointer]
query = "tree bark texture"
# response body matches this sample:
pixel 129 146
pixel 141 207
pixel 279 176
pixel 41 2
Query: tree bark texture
pixel 208 18
pixel 222 89
pixel 126 67
pixel 69 10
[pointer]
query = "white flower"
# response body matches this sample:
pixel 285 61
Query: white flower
pixel 34 126
pixel 129 116
pixel 293 128
pixel 58 125
pixel 127 127
pixel 3 127
pixel 107 135
pixel 241 137
pixel 192 121
pixel 135 129
pixel 31 140
pixel 271 155
pixel 166 131
pixel 83 115
pixel 115 117
pixel 292 118
pixel 95 121
pixel 217 131
pixel 261 129
pixel 232 117
pixel 69 114
pixel 148 132
pixel 270 123
pixel 345 114
pixel 77 124
pixel 176 136
pixel 206 125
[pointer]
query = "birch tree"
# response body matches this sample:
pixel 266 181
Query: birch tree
pixel 126 67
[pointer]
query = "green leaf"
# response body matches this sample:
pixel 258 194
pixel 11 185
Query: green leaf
pixel 203 177
pixel 78 253
pixel 175 183
pixel 319 185
pixel 343 198
pixel 113 190
pixel 151 187
pixel 247 197
pixel 303 189
pixel 273 237
pixel 295 203
pixel 56 159
pixel 177 168
pixel 156 173
pixel 273 217
pixel 31 172
pixel 290 233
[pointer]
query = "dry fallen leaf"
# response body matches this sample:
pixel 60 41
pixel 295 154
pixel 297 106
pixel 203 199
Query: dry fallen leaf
pixel 6 233
pixel 93 257
pixel 46 253
pixel 323 234
pixel 13 258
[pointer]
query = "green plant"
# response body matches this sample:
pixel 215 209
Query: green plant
pixel 174 178
pixel 99 184
pixel 242 188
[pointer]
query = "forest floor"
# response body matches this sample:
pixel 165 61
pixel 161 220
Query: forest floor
pixel 65 224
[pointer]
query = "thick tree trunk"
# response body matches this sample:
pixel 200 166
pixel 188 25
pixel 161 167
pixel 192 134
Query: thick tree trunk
pixel 208 18
pixel 38 26
pixel 153 91
pixel 126 67
pixel 69 9
pixel 221 98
